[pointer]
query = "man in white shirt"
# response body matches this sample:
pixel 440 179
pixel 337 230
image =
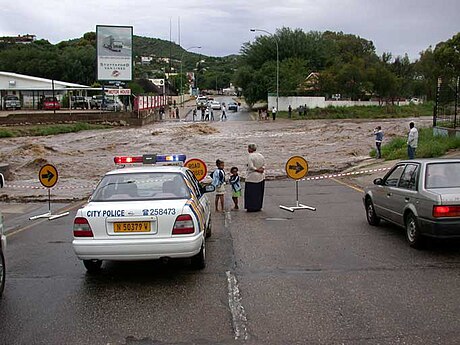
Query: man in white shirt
pixel 255 180
pixel 412 141
pixel 274 113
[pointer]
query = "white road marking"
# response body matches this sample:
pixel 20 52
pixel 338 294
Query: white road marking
pixel 236 308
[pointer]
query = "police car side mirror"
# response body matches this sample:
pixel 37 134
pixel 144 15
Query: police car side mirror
pixel 208 188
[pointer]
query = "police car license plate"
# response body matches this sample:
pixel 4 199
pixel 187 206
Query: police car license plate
pixel 132 227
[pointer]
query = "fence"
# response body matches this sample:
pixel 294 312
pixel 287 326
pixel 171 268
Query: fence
pixel 446 107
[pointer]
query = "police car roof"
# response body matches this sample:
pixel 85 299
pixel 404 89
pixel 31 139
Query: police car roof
pixel 149 169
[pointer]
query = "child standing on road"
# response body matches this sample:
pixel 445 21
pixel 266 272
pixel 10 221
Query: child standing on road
pixel 236 186
pixel 218 181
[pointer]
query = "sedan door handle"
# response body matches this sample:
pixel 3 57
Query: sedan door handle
pixel 406 199
pixel 389 194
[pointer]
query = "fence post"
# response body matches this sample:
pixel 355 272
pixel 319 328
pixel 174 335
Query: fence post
pixel 456 102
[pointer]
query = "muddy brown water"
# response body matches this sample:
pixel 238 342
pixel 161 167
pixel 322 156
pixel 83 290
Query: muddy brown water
pixel 82 158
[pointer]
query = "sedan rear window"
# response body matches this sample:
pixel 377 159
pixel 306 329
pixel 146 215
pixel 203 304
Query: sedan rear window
pixel 443 175
pixel 141 186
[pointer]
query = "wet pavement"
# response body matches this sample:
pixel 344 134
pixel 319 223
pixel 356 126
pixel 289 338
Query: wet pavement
pixel 272 277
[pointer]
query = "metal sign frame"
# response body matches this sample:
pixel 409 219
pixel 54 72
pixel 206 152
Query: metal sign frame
pixel 298 205
pixel 41 177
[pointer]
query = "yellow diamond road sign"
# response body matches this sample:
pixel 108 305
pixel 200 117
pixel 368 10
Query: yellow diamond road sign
pixel 296 167
pixel 48 175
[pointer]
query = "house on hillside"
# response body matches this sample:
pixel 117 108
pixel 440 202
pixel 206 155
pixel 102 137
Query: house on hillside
pixel 311 83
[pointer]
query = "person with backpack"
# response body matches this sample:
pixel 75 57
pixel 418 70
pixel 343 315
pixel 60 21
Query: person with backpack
pixel 218 181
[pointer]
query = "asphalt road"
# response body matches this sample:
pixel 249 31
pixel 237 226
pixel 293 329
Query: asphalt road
pixel 273 277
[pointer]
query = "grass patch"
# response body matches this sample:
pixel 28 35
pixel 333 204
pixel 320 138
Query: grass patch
pixel 42 130
pixel 429 146
pixel 363 112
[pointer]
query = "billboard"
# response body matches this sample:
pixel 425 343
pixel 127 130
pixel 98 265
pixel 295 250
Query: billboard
pixel 114 53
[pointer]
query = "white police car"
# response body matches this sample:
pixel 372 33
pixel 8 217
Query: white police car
pixel 140 213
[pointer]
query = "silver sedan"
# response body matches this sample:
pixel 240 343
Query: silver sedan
pixel 422 196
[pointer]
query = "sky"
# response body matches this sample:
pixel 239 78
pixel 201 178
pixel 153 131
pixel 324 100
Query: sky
pixel 221 27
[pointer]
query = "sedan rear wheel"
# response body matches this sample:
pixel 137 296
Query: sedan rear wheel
pixel 209 228
pixel 371 216
pixel 92 266
pixel 413 235
pixel 2 272
pixel 199 260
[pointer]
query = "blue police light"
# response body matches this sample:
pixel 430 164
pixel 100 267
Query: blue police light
pixel 170 158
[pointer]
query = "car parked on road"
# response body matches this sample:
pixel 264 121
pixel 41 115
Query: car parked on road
pixel 422 196
pixel 215 105
pixel 233 106
pixel 142 213
pixel 51 103
pixel 201 101
pixel 11 102
pixel 96 101
pixel 110 105
pixel 79 102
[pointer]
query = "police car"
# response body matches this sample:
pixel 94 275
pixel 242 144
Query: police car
pixel 152 211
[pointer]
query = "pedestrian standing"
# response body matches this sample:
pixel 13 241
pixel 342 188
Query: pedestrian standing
pixel 236 186
pixel 412 140
pixel 206 114
pixel 218 181
pixel 202 113
pixel 255 180
pixel 274 113
pixel 212 115
pixel 194 114
pixel 378 140
pixel 289 111
pixel 224 114
pixel 177 113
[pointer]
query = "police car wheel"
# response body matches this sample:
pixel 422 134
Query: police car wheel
pixel 209 228
pixel 199 260
pixel 2 272
pixel 92 266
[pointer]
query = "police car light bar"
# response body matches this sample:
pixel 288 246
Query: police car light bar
pixel 150 159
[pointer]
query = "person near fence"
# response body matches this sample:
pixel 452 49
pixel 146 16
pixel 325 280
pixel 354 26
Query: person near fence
pixel 378 141
pixel 412 140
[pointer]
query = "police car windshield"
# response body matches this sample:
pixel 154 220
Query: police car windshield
pixel 141 186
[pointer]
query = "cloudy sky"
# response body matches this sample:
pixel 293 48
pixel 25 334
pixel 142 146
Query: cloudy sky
pixel 220 27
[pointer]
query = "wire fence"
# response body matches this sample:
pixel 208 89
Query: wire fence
pixel 447 103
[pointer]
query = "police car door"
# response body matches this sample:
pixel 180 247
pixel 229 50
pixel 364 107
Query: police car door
pixel 203 200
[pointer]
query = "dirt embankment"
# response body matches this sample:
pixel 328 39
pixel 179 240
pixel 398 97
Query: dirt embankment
pixel 82 158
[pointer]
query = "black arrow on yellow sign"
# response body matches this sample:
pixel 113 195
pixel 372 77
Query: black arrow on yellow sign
pixel 49 175
pixel 298 167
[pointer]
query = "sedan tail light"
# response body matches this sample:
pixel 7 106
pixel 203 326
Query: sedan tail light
pixel 446 211
pixel 183 225
pixel 81 228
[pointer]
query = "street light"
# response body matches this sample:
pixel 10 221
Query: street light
pixel 277 64
pixel 181 57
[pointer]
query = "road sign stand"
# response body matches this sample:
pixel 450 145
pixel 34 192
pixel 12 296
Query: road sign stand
pixel 48 177
pixel 297 168
pixel 49 214
pixel 298 206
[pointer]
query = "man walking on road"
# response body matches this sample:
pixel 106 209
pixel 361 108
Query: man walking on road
pixel 274 113
pixel 412 140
